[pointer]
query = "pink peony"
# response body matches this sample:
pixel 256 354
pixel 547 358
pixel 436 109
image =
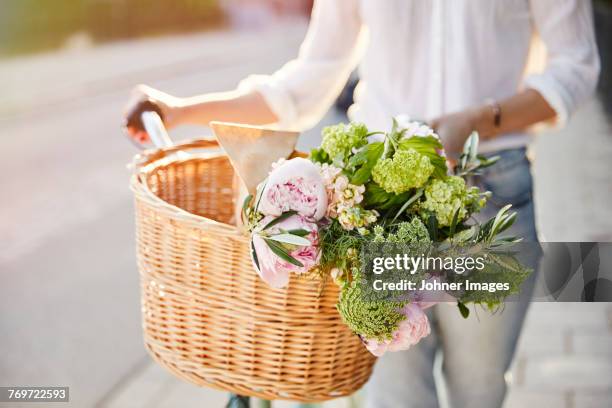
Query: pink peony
pixel 274 270
pixel 410 332
pixel 296 185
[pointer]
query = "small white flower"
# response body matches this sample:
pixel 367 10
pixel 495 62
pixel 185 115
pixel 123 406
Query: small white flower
pixel 363 231
pixel 414 128
pixel 341 183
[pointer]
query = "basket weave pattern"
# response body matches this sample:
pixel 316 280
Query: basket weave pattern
pixel 207 316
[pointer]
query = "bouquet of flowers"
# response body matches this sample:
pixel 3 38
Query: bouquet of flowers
pixel 314 216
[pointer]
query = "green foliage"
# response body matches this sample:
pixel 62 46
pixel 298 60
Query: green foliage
pixel 376 197
pixel 470 162
pixel 335 243
pixel 319 155
pixel 364 161
pixel 339 140
pixel 282 252
pixel 465 312
pixel 490 230
pixel 500 267
pixel 35 25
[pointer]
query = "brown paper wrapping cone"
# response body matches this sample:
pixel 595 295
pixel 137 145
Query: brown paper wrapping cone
pixel 251 151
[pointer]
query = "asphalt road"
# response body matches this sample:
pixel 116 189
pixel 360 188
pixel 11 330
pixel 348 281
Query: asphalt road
pixel 69 296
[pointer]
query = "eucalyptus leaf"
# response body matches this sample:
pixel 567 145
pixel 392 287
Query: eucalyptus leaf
pixel 290 239
pixel 280 218
pixel 259 193
pixel 465 235
pixel 245 206
pixel 501 214
pixel 301 232
pixel 254 255
pixel 282 253
pixel 473 146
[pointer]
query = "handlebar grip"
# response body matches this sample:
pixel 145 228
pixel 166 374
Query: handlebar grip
pixel 134 117
pixel 155 128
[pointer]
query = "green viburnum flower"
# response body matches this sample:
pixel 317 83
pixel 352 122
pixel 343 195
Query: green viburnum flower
pixel 444 197
pixel 407 169
pixel 370 319
pixel 339 140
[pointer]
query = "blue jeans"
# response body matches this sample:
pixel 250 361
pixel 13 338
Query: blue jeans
pixel 477 351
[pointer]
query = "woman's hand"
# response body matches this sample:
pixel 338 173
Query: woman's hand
pixel 454 130
pixel 168 105
pixel 514 114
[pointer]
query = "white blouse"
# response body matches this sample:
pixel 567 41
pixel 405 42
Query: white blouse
pixel 427 58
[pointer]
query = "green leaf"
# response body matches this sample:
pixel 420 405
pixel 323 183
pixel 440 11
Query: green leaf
pixel 470 150
pixel 473 150
pixel 465 235
pixel 260 188
pixel 282 253
pixel 487 161
pixel 453 225
pixel 254 254
pixel 280 218
pixel 428 146
pixel 245 205
pixel 376 197
pixel 422 143
pixel 367 158
pixel 290 239
pixel 319 156
pixel 463 309
pixel 499 219
pixel 247 201
pixel 299 232
pixel 412 199
pixel 432 227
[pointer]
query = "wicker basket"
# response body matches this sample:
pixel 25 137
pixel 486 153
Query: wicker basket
pixel 207 316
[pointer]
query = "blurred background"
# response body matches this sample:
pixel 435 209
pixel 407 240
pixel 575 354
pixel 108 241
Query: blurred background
pixel 69 295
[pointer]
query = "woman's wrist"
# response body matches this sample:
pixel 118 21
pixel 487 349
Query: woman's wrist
pixel 486 120
pixel 175 112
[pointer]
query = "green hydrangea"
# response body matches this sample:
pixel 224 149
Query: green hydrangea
pixel 407 169
pixel 339 140
pixel 370 319
pixel 446 196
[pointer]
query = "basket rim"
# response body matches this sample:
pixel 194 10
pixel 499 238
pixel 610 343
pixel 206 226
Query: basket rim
pixel 143 163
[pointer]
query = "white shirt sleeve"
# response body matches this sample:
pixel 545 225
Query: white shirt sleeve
pixel 566 28
pixel 303 89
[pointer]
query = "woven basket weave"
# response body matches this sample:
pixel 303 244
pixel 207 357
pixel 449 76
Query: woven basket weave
pixel 207 316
